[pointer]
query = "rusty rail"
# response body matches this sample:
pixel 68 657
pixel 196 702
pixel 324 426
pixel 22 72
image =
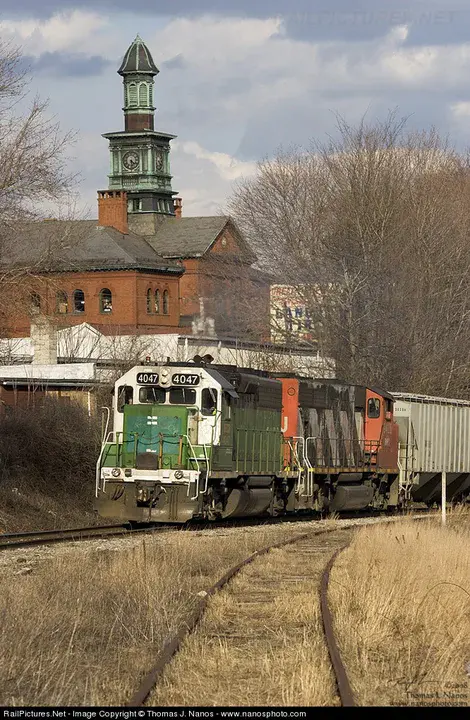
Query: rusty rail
pixel 49 537
pixel 341 677
pixel 173 645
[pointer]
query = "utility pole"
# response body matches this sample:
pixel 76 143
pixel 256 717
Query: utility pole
pixel 443 496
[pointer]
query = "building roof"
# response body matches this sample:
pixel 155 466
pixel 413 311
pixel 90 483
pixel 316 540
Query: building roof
pixel 138 59
pixel 63 374
pixel 78 245
pixel 83 245
pixel 192 237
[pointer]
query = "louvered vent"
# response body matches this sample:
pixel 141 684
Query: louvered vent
pixel 143 94
pixel 132 95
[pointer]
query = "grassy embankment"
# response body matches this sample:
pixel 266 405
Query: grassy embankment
pixel 47 467
pixel 401 599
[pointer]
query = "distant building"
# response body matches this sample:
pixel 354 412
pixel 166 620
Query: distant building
pixel 27 386
pixel 140 267
pixel 290 315
pixel 107 355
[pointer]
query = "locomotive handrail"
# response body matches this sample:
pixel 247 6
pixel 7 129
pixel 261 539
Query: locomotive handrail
pixel 301 486
pixel 297 460
pixel 309 467
pixel 105 430
pixel 98 486
pixel 207 459
pixel 192 457
pixel 196 459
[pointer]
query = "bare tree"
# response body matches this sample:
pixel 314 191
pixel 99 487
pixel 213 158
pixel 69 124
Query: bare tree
pixel 371 231
pixel 34 182
pixel 32 147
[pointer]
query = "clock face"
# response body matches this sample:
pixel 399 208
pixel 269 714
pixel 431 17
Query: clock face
pixel 130 160
pixel 159 161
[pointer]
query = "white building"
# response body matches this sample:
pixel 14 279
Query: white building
pixel 85 344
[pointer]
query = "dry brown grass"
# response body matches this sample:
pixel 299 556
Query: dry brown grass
pixel 81 628
pixel 260 642
pixel 47 467
pixel 401 600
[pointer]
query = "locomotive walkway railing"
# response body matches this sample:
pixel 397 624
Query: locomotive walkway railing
pixel 319 454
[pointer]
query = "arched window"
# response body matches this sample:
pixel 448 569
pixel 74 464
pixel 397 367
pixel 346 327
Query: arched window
pixel 133 94
pixel 157 301
pixel 79 301
pixel 166 302
pixel 35 302
pixel 149 300
pixel 106 300
pixel 143 94
pixel 61 301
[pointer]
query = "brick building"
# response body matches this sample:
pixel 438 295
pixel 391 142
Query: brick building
pixel 140 267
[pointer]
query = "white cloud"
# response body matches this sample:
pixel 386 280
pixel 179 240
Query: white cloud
pixel 211 43
pixel 74 31
pixel 461 110
pixel 235 75
pixel 205 179
pixel 228 167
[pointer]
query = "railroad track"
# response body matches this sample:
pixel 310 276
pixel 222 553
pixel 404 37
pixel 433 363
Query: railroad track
pixel 261 591
pixel 49 537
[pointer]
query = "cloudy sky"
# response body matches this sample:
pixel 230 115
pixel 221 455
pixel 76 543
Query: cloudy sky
pixel 240 78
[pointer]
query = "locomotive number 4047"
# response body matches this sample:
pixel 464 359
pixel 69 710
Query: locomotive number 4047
pixel 184 379
pixel 144 378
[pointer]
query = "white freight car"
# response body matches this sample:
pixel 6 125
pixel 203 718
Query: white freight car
pixel 434 439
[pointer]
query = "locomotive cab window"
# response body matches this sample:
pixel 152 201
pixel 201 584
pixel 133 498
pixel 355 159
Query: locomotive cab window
pixel 153 395
pixel 125 396
pixel 182 396
pixel 209 401
pixel 373 408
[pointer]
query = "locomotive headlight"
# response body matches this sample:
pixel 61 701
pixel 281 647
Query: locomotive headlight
pixel 179 474
pixel 115 472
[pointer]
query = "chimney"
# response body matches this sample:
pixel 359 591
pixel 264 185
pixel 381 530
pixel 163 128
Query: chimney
pixel 112 210
pixel 178 204
pixel 44 341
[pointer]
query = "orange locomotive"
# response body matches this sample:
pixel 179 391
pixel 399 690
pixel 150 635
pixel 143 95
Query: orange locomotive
pixel 344 442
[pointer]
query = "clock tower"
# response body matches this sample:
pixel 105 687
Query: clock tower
pixel 140 155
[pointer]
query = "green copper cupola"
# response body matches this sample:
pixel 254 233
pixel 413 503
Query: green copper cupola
pixel 139 154
pixel 138 71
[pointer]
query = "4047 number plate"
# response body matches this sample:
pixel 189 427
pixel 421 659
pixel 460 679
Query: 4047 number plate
pixel 144 378
pixel 185 379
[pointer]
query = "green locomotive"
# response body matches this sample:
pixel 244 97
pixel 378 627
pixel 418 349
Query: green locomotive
pixel 199 440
